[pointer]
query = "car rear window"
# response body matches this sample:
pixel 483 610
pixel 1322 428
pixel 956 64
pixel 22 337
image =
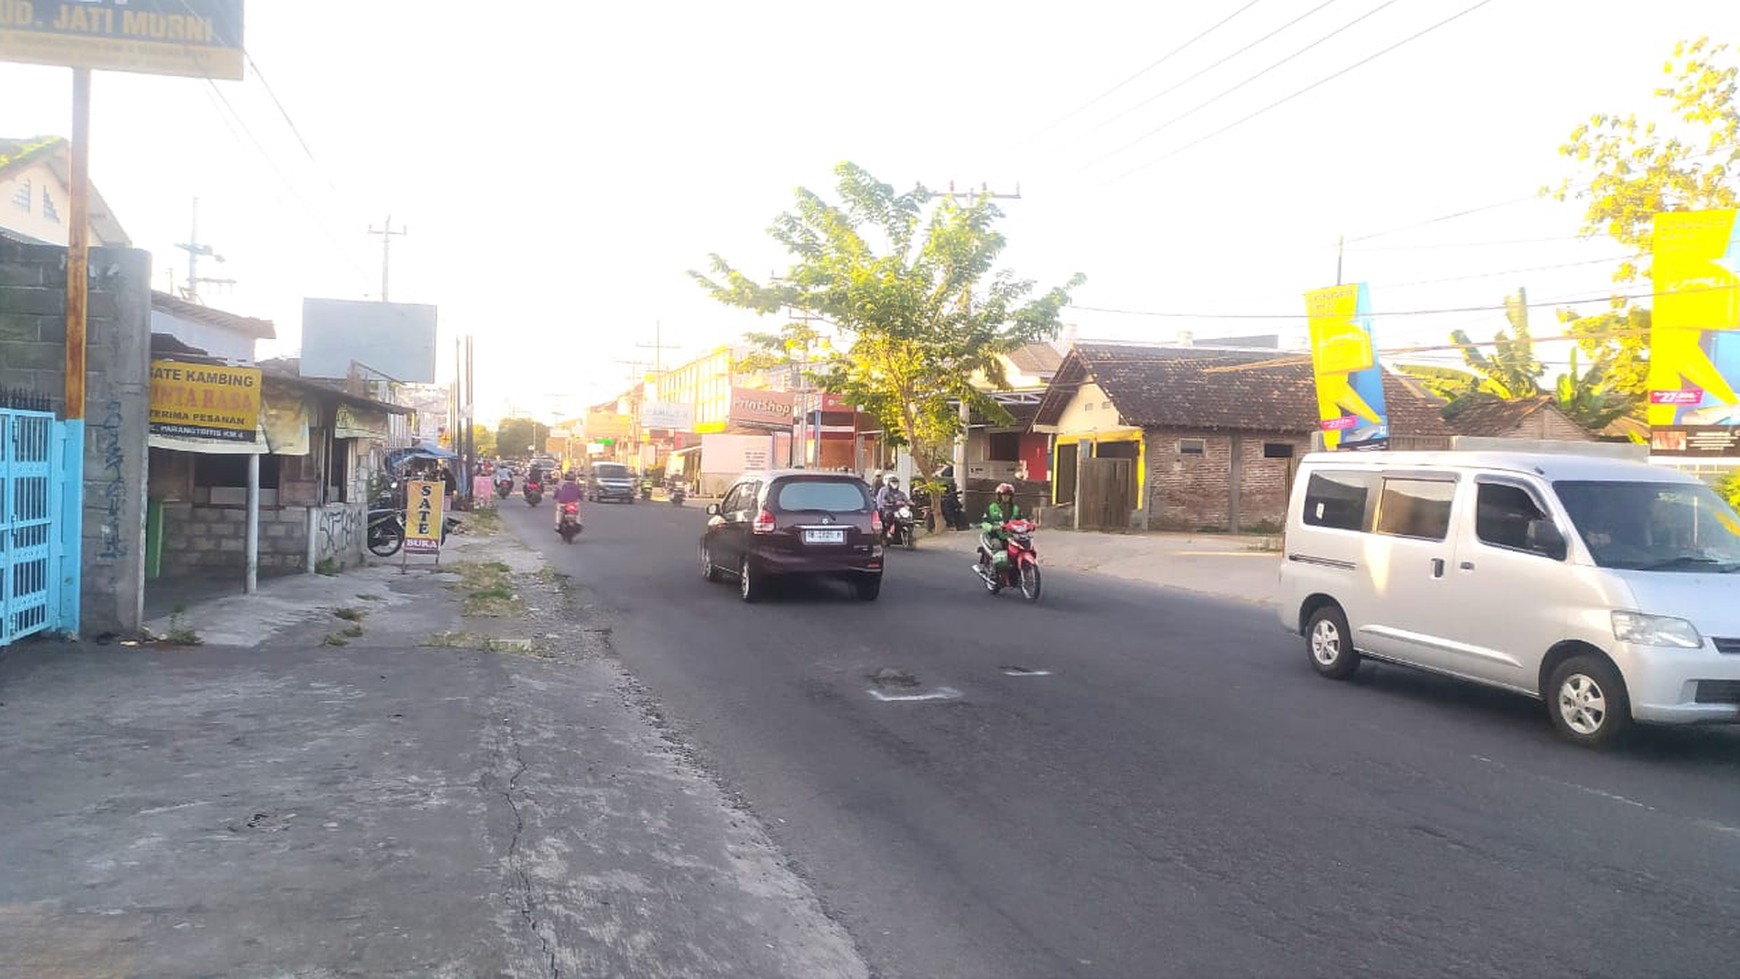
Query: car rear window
pixel 610 472
pixel 826 495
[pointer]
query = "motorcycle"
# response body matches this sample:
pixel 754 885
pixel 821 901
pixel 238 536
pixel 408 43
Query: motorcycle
pixel 645 490
pixel 1021 570
pixel 954 515
pixel 677 494
pixel 386 533
pixel 503 486
pixel 533 492
pixel 900 527
pixel 570 525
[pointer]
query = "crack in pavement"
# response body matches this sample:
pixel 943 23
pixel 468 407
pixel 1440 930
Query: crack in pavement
pixel 527 908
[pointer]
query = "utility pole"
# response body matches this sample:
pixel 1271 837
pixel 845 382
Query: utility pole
pixel 387 234
pixel 966 409
pixel 194 249
pixel 658 347
pixel 1340 248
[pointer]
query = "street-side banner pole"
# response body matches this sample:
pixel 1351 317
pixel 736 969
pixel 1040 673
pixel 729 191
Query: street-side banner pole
pixel 78 265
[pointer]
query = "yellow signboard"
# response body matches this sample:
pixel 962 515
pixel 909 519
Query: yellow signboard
pixel 195 401
pixel 1694 354
pixel 424 516
pixel 197 38
pixel 1350 384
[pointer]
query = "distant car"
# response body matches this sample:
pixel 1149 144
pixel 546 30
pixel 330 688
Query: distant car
pixel 794 523
pixel 610 481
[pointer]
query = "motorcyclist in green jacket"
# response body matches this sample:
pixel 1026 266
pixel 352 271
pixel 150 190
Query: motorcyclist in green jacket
pixel 1000 511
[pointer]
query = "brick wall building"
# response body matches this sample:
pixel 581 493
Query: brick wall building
pixel 1215 433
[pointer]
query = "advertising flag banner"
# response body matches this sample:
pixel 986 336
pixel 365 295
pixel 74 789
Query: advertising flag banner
pixel 1694 351
pixel 424 516
pixel 1350 383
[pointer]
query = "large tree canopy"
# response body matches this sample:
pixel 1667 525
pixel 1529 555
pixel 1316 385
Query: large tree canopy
pixel 898 302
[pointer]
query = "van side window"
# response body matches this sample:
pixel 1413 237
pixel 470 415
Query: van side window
pixel 1502 514
pixel 1337 499
pixel 1416 508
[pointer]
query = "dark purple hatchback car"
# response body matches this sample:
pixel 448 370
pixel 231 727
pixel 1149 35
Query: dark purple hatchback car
pixel 798 522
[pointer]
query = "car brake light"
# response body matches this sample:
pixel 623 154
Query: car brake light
pixel 875 522
pixel 763 523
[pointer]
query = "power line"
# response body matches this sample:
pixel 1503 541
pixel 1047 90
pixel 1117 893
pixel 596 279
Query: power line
pixel 1494 275
pixel 1183 116
pixel 294 130
pixel 1313 86
pixel 1078 110
pixel 1199 73
pixel 1563 301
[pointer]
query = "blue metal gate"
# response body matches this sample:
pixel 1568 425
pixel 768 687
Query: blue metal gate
pixel 31 511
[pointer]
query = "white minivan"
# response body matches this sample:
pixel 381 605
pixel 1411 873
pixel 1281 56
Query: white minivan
pixel 1609 589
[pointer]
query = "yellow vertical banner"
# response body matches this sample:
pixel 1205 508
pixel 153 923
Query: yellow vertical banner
pixel 1694 353
pixel 1350 383
pixel 425 503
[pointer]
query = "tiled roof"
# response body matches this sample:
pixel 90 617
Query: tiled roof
pixel 1202 387
pixel 1037 359
pixel 169 305
pixel 1494 418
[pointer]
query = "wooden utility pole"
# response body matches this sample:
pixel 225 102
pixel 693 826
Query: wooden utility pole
pixel 387 234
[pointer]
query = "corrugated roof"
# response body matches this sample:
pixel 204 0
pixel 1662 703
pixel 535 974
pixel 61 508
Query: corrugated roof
pixel 169 305
pixel 1198 387
pixel 1037 359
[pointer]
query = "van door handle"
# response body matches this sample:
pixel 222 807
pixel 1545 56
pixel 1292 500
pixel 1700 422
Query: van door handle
pixel 1437 567
pixel 1466 565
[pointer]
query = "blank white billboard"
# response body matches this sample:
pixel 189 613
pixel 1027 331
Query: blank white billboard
pixel 395 340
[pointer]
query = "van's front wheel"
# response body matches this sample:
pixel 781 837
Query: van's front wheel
pixel 1587 700
pixel 1331 644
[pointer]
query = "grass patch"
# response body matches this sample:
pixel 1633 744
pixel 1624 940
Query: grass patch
pixel 487 644
pixel 179 633
pixel 489 590
pixel 369 598
pixel 350 614
pixel 335 640
pixel 328 567
pixel 352 632
pixel 483 521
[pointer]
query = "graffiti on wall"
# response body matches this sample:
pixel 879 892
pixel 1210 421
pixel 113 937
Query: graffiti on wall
pixel 111 459
pixel 340 532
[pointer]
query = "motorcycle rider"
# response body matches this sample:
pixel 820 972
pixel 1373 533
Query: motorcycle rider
pixel 568 492
pixel 998 512
pixel 888 499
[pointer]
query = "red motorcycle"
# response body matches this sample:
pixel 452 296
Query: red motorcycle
pixel 533 491
pixel 1021 570
pixel 570 525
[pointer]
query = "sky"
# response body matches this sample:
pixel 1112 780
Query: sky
pixel 559 167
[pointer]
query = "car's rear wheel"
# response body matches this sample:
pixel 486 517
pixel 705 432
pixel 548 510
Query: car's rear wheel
pixel 749 583
pixel 868 588
pixel 1587 700
pixel 709 570
pixel 1330 644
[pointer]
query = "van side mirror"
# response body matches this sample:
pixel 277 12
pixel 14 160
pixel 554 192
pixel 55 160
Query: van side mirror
pixel 1545 539
pixel 713 509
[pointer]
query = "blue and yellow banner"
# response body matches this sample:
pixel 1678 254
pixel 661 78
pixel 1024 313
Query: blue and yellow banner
pixel 1350 384
pixel 1694 353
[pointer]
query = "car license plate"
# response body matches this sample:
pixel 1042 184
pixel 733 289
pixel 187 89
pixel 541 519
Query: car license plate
pixel 835 536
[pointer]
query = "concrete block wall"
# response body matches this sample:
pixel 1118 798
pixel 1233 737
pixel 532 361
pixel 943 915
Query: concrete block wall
pixel 201 537
pixel 117 385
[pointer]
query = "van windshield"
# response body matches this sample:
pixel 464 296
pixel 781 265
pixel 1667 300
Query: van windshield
pixel 1654 526
pixel 608 470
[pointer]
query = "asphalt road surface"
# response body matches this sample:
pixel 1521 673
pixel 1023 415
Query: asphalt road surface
pixel 1170 792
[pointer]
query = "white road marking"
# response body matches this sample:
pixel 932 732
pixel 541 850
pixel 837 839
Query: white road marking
pixel 1016 671
pixel 940 693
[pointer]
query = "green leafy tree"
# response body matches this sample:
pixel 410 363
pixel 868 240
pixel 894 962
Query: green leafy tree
pixel 1629 169
pixel 513 436
pixel 485 441
pixel 901 303
pixel 1589 397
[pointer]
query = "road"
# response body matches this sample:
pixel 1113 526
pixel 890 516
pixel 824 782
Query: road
pixel 1172 793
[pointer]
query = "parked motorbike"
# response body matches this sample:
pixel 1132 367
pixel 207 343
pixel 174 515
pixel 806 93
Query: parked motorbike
pixel 533 492
pixel 570 525
pixel 645 490
pixel 900 527
pixel 386 533
pixel 954 515
pixel 677 494
pixel 1021 570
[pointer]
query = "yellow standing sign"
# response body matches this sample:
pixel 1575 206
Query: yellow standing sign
pixel 424 517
